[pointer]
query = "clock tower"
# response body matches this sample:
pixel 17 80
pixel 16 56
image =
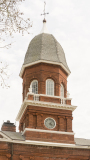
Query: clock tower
pixel 46 112
pixel 45 117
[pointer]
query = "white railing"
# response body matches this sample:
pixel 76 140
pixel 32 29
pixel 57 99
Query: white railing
pixel 63 101
pixel 36 97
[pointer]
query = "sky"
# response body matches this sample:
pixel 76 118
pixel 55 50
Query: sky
pixel 69 22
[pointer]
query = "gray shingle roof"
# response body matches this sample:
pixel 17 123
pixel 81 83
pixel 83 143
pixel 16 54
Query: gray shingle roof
pixel 20 137
pixel 14 135
pixel 45 47
pixel 82 142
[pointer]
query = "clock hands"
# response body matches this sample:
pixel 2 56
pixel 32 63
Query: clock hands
pixel 51 124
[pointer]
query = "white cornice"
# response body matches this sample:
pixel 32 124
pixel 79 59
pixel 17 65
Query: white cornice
pixel 42 104
pixel 41 143
pixel 46 131
pixel 43 61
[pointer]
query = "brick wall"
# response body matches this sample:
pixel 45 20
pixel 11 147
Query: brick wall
pixel 9 151
pixel 34 117
pixel 49 137
pixel 41 72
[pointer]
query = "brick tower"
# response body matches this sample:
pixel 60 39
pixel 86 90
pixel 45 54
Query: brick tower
pixel 46 111
pixel 45 116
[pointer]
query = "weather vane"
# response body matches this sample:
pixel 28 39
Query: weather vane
pixel 44 14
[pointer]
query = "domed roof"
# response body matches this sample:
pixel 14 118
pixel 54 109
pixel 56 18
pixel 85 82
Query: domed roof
pixel 45 47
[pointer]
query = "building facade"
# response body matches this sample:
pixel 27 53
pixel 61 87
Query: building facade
pixel 45 117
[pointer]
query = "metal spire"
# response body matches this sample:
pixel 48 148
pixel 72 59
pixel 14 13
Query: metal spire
pixel 44 14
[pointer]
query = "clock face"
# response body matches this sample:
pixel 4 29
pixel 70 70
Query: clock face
pixel 50 123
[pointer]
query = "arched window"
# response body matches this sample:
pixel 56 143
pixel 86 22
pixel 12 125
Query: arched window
pixel 49 87
pixel 62 90
pixel 34 86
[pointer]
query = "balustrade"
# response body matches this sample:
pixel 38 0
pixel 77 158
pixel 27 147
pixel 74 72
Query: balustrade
pixel 45 98
pixel 36 97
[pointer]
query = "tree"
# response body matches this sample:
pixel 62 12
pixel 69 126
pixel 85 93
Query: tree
pixel 11 21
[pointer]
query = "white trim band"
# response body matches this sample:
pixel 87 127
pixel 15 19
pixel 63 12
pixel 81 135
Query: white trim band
pixel 47 131
pixel 42 61
pixel 29 142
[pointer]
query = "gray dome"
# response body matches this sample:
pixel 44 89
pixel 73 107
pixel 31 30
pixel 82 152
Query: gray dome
pixel 45 47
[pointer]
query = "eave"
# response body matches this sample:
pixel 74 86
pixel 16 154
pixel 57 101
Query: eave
pixel 42 61
pixel 40 143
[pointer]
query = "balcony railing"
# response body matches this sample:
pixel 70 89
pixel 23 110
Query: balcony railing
pixel 36 97
pixel 63 100
pixel 46 98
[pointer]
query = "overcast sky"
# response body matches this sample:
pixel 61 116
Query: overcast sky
pixel 69 22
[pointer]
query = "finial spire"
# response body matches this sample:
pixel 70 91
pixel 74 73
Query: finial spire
pixel 44 13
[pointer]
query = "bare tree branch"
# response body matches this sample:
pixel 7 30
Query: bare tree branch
pixel 3 75
pixel 6 46
pixel 11 21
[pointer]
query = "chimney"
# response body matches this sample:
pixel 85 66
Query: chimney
pixel 7 126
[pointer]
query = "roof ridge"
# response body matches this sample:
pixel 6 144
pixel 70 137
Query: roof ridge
pixel 6 134
pixel 63 54
pixel 55 46
pixel 41 45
